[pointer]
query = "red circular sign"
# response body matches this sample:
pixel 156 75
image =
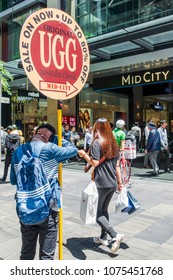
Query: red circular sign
pixel 54 53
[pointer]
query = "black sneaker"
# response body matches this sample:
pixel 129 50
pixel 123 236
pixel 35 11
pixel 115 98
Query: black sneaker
pixel 168 170
pixel 155 173
pixel 2 181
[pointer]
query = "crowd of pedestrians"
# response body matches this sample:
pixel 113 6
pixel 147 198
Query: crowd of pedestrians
pixel 157 146
pixel 155 143
pixel 101 146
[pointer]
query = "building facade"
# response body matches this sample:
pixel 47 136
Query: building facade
pixel 130 45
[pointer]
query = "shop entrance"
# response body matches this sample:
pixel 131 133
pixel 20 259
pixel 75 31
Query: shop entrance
pixel 28 110
pixel 158 103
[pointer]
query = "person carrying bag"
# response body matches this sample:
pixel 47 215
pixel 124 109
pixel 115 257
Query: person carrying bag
pixel 107 179
pixel 89 201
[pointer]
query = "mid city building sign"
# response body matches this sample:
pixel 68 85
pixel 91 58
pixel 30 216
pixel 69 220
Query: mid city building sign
pixel 146 77
pixel 54 53
pixel 134 79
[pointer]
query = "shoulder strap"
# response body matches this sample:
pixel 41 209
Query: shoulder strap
pixel 23 150
pixel 88 167
pixel 100 162
pixel 101 159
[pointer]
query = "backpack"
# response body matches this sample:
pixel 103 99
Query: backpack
pixel 135 131
pixel 130 146
pixel 34 194
pixel 12 143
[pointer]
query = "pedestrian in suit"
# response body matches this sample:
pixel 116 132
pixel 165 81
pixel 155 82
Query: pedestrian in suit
pixel 153 147
pixel 164 146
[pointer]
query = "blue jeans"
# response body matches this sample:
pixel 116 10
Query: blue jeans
pixel 47 233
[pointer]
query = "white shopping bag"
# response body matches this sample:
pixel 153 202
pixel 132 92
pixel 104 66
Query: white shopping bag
pixel 122 200
pixel 89 203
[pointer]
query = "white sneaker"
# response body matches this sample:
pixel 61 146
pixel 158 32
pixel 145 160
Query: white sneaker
pixel 98 240
pixel 116 242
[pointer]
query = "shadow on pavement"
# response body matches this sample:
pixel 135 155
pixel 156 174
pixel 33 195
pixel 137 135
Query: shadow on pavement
pixel 77 246
pixel 138 162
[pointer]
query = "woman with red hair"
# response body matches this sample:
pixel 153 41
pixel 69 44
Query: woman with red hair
pixel 107 178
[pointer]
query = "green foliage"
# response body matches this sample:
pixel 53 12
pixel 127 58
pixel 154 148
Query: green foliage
pixel 5 77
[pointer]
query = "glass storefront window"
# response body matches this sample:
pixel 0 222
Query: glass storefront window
pixel 14 25
pixel 27 113
pixel 156 115
pixel 111 105
pixel 8 4
pixel 155 9
pixel 98 17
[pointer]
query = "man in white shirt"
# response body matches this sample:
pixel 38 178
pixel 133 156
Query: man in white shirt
pixel 88 139
pixel 3 135
pixel 137 132
pixel 146 133
pixel 164 146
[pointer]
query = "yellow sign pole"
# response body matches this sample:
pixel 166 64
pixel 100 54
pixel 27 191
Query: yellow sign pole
pixel 60 181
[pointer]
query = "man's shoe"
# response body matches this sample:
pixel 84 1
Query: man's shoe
pixel 168 170
pixel 2 181
pixel 98 240
pixel 155 173
pixel 146 166
pixel 116 242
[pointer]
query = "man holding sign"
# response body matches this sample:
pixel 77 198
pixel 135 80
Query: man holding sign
pixel 55 57
pixel 28 196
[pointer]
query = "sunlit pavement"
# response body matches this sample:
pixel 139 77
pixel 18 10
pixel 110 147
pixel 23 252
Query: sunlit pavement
pixel 148 232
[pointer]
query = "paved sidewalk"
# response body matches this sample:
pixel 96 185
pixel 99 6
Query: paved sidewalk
pixel 148 232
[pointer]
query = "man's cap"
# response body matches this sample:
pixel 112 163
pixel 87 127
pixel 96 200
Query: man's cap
pixel 151 125
pixel 163 121
pixel 14 126
pixel 9 127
